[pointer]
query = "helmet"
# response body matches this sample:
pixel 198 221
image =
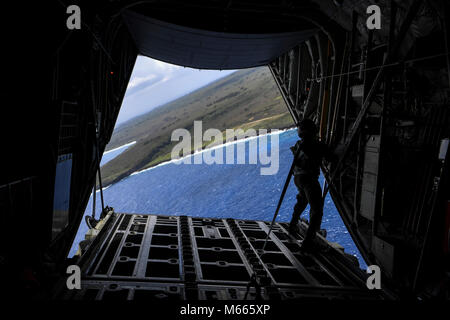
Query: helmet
pixel 307 127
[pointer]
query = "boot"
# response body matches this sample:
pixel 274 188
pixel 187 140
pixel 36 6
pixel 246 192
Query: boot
pixel 308 244
pixel 293 229
pixel 293 225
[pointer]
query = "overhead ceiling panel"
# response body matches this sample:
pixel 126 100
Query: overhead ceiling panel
pixel 208 49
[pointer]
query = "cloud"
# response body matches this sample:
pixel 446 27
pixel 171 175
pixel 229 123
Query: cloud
pixel 138 84
pixel 154 83
pixel 149 72
pixel 138 80
pixel 165 67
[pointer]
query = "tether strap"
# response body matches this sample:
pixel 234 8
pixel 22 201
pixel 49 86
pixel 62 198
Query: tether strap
pixel 286 184
pixel 254 283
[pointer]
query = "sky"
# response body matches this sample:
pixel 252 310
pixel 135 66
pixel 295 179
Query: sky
pixel 154 83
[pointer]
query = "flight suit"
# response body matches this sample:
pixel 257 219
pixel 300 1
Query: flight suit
pixel 306 179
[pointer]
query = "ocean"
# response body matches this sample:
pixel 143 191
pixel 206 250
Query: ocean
pixel 226 190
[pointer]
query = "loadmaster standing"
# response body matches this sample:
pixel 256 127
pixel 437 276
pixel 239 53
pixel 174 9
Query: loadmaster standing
pixel 306 175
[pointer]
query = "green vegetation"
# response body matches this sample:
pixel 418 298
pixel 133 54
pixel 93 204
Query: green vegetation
pixel 245 99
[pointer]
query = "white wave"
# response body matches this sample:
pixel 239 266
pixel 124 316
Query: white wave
pixel 104 188
pixel 209 149
pixel 115 149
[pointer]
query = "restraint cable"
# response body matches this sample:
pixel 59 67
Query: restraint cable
pixel 253 282
pixel 280 201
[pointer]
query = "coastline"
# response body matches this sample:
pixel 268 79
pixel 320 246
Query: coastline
pixel 161 163
pixel 120 147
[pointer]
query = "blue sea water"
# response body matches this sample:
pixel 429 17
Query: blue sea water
pixel 236 191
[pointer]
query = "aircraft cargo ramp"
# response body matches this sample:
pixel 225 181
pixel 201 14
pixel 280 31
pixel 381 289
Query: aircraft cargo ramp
pixel 137 257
